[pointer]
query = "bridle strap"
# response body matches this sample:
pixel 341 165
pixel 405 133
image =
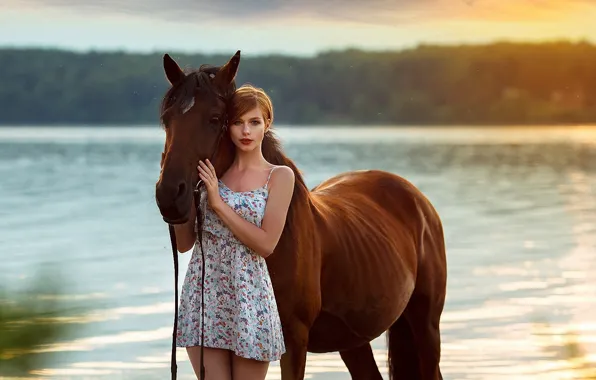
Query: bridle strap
pixel 174 367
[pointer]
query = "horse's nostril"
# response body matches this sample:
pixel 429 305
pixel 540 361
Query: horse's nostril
pixel 181 189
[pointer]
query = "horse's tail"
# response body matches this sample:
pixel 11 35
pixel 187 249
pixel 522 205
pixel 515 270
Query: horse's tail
pixel 402 354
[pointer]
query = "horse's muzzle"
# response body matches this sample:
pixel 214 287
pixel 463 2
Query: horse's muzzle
pixel 174 201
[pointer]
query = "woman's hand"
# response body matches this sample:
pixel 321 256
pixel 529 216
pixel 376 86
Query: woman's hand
pixel 209 177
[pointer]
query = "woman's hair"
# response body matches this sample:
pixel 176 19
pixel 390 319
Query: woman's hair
pixel 245 99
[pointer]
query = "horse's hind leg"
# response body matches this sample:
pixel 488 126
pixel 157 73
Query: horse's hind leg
pixel 361 363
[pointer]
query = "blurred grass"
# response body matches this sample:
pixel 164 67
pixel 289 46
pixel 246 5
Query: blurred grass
pixel 31 319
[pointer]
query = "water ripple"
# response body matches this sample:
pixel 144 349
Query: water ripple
pixel 518 206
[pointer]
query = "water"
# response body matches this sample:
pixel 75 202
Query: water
pixel 518 206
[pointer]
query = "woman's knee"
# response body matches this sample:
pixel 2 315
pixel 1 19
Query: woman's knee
pixel 218 364
pixel 249 369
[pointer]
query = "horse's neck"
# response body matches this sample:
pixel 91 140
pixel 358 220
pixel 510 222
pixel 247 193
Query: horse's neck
pixel 297 240
pixel 223 160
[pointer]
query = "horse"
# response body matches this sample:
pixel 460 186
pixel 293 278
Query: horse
pixel 361 254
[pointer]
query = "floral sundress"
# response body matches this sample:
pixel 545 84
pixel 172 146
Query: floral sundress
pixel 240 309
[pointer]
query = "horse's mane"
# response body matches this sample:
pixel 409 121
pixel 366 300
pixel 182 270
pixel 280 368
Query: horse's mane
pixel 178 96
pixel 300 212
pixel 273 153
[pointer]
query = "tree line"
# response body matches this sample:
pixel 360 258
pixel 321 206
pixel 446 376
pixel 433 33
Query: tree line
pixel 498 83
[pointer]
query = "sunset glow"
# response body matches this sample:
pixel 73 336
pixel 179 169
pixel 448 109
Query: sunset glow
pixel 298 28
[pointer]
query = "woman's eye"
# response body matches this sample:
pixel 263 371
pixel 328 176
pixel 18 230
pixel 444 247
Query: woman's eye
pixel 237 122
pixel 255 122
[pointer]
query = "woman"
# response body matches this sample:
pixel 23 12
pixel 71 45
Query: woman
pixel 244 218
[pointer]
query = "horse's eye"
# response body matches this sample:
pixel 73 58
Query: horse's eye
pixel 214 120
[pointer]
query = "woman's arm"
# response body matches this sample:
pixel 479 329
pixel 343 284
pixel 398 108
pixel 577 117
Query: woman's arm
pixel 185 233
pixel 263 240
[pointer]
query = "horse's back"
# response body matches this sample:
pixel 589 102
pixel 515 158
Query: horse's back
pixel 370 225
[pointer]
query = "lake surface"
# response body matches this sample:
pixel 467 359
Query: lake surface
pixel 518 207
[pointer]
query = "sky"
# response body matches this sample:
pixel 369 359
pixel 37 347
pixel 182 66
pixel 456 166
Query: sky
pixel 297 27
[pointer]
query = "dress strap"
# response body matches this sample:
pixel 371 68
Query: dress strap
pixel 269 177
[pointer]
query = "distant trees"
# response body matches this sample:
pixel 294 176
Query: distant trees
pixel 500 83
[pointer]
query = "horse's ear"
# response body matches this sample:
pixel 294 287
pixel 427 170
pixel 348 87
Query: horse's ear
pixel 227 73
pixel 173 72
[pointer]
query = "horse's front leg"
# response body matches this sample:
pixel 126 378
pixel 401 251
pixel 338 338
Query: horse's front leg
pixel 296 324
pixel 293 362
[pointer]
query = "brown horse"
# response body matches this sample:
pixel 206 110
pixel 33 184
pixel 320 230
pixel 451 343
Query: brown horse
pixel 361 254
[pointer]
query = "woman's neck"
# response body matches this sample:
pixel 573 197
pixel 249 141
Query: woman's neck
pixel 246 160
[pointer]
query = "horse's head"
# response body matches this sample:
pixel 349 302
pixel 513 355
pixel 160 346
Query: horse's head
pixel 194 119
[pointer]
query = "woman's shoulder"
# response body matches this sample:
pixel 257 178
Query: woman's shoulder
pixel 281 174
pixel 282 170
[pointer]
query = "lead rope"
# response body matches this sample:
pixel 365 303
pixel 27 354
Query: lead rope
pixel 174 366
pixel 197 196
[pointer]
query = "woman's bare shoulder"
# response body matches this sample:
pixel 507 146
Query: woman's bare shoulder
pixel 282 173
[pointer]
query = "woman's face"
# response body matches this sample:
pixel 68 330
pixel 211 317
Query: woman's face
pixel 248 130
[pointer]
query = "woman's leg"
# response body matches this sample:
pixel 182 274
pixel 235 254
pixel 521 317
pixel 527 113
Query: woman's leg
pixel 248 369
pixel 217 362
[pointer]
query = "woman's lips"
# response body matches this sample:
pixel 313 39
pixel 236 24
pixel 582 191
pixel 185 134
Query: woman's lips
pixel 246 141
